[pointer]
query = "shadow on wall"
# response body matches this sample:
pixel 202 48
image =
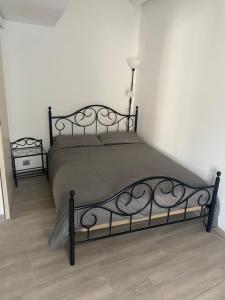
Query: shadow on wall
pixel 153 33
pixel 175 85
pixel 180 86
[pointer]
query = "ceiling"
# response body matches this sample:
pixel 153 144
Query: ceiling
pixel 137 2
pixel 41 12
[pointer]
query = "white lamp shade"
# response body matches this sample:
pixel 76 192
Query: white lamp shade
pixel 133 62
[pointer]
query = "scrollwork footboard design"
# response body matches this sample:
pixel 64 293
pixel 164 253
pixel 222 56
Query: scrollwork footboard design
pixel 143 202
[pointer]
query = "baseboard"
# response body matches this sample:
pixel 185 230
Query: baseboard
pixel 220 232
pixel 2 219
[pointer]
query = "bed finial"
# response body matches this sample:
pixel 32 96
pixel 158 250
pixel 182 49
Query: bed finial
pixel 72 193
pixel 218 173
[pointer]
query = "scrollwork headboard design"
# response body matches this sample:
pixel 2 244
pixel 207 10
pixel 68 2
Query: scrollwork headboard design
pixel 91 119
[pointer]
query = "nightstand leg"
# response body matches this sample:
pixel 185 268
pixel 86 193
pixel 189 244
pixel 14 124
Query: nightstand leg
pixel 14 171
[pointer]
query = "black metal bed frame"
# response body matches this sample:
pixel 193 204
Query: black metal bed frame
pixel 92 116
pixel 181 196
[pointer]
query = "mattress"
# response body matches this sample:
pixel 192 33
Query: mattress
pixel 96 173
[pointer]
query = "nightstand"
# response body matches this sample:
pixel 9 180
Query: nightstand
pixel 24 148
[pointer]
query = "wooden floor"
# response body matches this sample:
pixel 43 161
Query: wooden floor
pixel 173 262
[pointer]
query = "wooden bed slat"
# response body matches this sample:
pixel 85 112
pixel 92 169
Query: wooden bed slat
pixel 156 216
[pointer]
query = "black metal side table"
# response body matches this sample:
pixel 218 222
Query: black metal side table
pixel 24 148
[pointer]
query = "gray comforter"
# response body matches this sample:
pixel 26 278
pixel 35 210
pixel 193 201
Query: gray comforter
pixel 98 172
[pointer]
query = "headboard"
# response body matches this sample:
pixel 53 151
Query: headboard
pixel 92 119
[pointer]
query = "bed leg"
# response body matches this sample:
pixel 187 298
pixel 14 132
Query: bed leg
pixel 213 203
pixel 71 229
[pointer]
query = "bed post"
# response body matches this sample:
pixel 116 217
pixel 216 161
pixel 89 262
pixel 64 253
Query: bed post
pixel 136 119
pixel 129 113
pixel 50 125
pixel 71 229
pixel 213 203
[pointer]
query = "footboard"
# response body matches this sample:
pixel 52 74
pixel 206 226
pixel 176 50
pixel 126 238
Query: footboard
pixel 147 203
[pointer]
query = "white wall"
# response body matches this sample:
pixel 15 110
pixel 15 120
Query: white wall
pixel 79 62
pixel 1 200
pixel 82 60
pixel 5 155
pixel 181 84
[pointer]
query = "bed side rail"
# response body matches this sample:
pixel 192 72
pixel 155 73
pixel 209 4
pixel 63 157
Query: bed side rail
pixel 161 201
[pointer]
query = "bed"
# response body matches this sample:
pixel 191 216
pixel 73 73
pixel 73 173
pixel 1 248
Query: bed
pixel 106 181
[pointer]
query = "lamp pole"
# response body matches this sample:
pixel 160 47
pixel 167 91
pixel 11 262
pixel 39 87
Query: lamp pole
pixel 131 88
pixel 133 63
